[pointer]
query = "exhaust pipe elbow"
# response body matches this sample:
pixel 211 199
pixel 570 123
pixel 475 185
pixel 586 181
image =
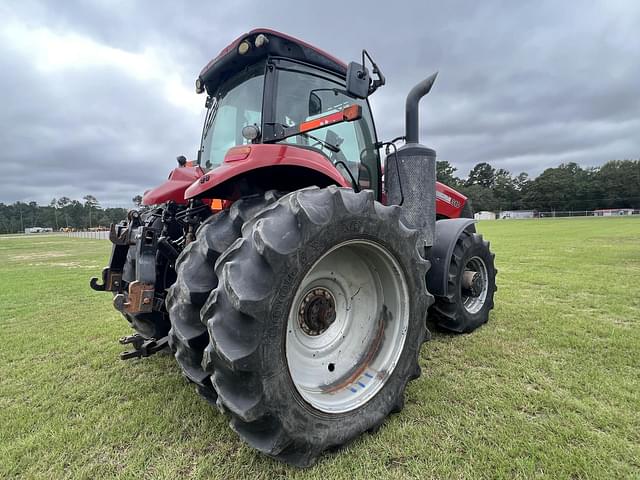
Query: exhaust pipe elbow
pixel 412 120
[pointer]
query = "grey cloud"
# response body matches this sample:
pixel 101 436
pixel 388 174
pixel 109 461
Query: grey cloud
pixel 522 86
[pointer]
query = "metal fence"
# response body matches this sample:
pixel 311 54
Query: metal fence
pixel 590 213
pixel 524 214
pixel 93 235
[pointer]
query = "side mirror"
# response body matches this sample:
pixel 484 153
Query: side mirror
pixel 358 80
pixel 315 104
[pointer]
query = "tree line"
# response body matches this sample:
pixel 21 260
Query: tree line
pixel 616 184
pixel 61 213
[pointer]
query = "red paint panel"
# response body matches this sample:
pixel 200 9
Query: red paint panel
pixel 449 202
pixel 266 155
pixel 173 189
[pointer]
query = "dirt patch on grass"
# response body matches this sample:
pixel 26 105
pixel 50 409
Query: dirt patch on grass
pixel 38 256
pixel 62 264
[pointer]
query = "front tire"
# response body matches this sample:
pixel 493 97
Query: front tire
pixel 470 287
pixel 317 321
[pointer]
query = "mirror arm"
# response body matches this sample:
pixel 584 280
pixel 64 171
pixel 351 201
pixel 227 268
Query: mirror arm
pixel 381 80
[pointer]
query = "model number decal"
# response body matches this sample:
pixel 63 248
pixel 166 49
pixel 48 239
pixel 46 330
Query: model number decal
pixel 447 199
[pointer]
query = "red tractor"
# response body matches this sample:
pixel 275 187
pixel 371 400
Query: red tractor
pixel 291 276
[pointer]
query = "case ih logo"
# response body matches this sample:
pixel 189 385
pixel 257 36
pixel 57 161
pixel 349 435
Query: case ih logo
pixel 204 179
pixel 447 199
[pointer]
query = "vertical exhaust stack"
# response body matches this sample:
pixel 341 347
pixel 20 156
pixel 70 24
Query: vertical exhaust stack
pixel 410 172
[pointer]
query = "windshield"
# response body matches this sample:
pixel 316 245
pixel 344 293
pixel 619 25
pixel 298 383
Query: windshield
pixel 305 94
pixel 236 104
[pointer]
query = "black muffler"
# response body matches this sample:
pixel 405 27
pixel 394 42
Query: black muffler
pixel 410 172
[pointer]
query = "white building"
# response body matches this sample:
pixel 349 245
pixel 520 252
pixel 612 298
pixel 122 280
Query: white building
pixel 484 215
pixel 518 214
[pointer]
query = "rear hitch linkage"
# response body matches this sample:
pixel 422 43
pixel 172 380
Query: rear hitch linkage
pixel 119 235
pixel 142 347
pixel 137 296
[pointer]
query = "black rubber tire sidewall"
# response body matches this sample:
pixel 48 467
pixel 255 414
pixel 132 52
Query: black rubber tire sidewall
pixel 452 314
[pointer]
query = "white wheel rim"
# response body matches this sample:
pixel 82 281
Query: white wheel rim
pixel 341 364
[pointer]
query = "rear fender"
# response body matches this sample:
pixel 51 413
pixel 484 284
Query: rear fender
pixel 447 233
pixel 173 189
pixel 264 167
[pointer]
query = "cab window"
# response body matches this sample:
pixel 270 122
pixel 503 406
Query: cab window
pixel 237 103
pixel 303 95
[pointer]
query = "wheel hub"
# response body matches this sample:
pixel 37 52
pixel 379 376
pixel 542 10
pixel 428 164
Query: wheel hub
pixel 317 311
pixel 473 283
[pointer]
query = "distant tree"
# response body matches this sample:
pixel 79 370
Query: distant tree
pixel 90 202
pixel 104 220
pixel 77 214
pixel 5 220
pixel 63 202
pixel 617 184
pixel 54 206
pixel 59 212
pixel 566 187
pixel 32 215
pixel 481 198
pixel 445 173
pixel 505 190
pixel 115 214
pixel 521 181
pixel 482 174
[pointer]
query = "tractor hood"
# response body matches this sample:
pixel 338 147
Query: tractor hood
pixel 173 189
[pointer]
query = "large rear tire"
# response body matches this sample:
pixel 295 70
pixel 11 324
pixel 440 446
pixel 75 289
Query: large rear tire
pixel 316 324
pixel 470 287
pixel 196 279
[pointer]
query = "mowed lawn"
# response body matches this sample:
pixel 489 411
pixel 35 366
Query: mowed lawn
pixel 549 388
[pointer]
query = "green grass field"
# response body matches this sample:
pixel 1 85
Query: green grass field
pixel 549 388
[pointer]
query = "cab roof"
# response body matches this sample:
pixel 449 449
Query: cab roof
pixel 229 61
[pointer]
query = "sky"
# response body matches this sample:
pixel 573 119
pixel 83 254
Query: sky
pixel 98 96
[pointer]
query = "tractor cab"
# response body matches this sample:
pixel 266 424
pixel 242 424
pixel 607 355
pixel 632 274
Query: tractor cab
pixel 270 89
